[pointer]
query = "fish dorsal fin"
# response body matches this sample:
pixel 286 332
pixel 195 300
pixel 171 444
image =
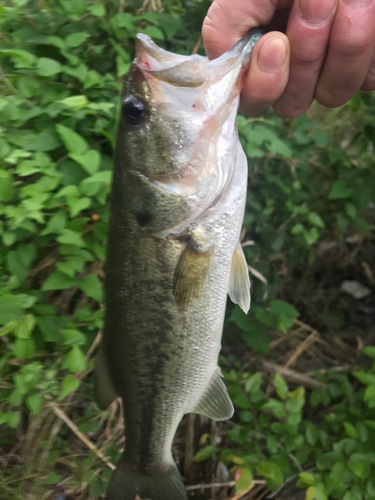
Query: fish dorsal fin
pixel 239 281
pixel 215 402
pixel 104 392
pixel 192 270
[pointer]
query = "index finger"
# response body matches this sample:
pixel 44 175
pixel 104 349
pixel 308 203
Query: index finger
pixel 227 21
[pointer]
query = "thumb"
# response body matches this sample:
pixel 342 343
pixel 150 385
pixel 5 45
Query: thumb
pixel 228 21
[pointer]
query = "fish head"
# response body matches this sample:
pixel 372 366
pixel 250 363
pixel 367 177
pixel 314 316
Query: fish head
pixel 177 126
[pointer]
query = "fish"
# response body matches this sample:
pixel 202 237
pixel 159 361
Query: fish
pixel 177 203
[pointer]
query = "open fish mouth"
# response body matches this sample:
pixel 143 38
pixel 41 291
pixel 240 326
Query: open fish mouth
pixel 220 77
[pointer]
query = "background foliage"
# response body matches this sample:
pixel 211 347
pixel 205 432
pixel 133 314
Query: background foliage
pixel 309 179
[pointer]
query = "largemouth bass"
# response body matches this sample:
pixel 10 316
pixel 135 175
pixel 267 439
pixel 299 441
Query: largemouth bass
pixel 176 210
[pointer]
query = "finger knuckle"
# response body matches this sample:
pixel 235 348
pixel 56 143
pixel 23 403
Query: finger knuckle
pixel 331 98
pixel 355 44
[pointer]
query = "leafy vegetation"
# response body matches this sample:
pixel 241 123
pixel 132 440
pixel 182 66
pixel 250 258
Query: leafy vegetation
pixel 60 68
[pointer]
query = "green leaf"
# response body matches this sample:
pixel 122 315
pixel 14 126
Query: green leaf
pixel 297 229
pixel 55 224
pixel 75 361
pixel 104 176
pixel 350 430
pixel 320 492
pixel 25 326
pixel 6 186
pixel 205 453
pixel 270 470
pixel 242 401
pixel 315 219
pixel 275 406
pixel 47 140
pixel 279 147
pixel 310 493
pixel 342 221
pixel 22 58
pixel 10 309
pixel 92 286
pixel 56 42
pixel 69 237
pixel 76 39
pixel 365 378
pixel 245 481
pixel 369 351
pixel 153 32
pixel 69 385
pixel 24 348
pixel 73 337
pixel 92 78
pixel 90 161
pixel 58 281
pixel 13 419
pixel 76 206
pixel 8 328
pixel 71 266
pixel 75 101
pixel 279 307
pixel 97 10
pixel 272 444
pixel 350 209
pixel 307 478
pixel 359 464
pixel 295 405
pixel 73 142
pixel 19 260
pixel 311 434
pixel 281 386
pixel 53 478
pixel 34 403
pixel 339 191
pixel 15 399
pixel 240 319
pixel 253 383
pixel 48 67
pixel 28 86
pixel 311 236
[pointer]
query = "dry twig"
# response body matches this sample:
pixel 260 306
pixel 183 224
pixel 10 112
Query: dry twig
pixel 299 378
pixel 63 416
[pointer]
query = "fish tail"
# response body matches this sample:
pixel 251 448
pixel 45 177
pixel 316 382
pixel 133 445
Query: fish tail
pixel 128 485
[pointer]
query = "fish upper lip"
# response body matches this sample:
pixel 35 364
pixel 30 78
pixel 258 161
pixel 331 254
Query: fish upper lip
pixel 195 70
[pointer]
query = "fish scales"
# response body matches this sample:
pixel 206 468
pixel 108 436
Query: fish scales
pixel 170 264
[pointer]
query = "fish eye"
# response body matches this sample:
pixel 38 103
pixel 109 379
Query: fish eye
pixel 134 111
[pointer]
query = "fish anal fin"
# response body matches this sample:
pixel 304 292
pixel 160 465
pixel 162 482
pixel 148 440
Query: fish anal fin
pixel 215 402
pixel 104 392
pixel 239 281
pixel 192 271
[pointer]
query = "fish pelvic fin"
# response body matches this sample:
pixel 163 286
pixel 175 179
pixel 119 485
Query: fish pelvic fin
pixel 104 392
pixel 239 281
pixel 126 484
pixel 215 402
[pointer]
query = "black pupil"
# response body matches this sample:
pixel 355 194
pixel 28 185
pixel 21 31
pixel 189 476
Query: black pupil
pixel 134 111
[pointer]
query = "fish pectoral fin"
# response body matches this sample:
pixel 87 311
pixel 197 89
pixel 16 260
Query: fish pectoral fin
pixel 104 392
pixel 192 271
pixel 215 402
pixel 239 281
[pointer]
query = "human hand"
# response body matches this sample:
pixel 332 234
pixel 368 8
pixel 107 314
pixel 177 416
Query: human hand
pixel 327 52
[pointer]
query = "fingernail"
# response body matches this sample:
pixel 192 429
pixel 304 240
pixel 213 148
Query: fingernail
pixel 316 12
pixel 272 55
pixel 358 4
